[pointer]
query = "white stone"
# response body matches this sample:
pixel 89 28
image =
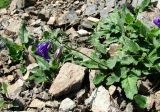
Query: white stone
pixel 100 100
pixel 67 105
pixel 82 32
pixel 92 19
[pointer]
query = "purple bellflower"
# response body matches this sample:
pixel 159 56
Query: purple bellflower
pixel 156 21
pixel 58 52
pixel 43 49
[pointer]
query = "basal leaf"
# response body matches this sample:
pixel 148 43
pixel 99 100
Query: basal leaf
pixel 2 102
pixel 131 45
pixel 141 101
pixel 143 5
pixel 90 64
pixel 15 51
pixel 38 76
pixel 130 86
pixel 98 79
pixel 23 34
pixel 42 63
pixel 129 18
pixel 4 87
pixel 111 62
pixel 112 79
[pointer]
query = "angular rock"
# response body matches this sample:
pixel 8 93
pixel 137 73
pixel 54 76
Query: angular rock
pixel 72 33
pixel 69 79
pixel 51 20
pixel 100 100
pixel 53 104
pixel 112 89
pixel 14 89
pixel 17 4
pixel 67 105
pixel 92 74
pixel 90 9
pixel 72 17
pixel 14 25
pixel 36 103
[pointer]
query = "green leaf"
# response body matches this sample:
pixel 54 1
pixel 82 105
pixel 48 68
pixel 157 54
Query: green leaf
pixel 112 79
pixel 143 5
pixel 99 47
pixel 111 62
pixel 98 79
pixel 90 64
pixel 2 103
pixel 130 86
pixel 42 63
pixel 15 51
pixel 141 101
pixel 131 45
pixel 23 34
pixel 38 76
pixel 4 87
pixel 129 18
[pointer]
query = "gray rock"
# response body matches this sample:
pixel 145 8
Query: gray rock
pixel 67 105
pixel 100 100
pixel 87 24
pixel 14 90
pixel 69 79
pixel 44 95
pixel 72 33
pixel 14 25
pixel 17 4
pixel 104 12
pixel 90 9
pixel 72 17
pixel 36 23
pixel 92 74
pixel 110 3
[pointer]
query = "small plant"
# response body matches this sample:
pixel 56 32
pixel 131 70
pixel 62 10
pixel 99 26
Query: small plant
pixel 4 3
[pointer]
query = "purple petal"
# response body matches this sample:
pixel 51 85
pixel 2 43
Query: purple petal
pixel 156 21
pixel 58 52
pixel 43 49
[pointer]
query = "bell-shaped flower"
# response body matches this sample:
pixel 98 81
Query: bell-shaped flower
pixel 43 49
pixel 58 52
pixel 156 21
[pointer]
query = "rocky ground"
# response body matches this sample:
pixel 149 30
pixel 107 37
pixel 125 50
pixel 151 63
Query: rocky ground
pixel 72 90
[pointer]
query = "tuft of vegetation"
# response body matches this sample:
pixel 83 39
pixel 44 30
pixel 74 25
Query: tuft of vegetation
pixel 4 3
